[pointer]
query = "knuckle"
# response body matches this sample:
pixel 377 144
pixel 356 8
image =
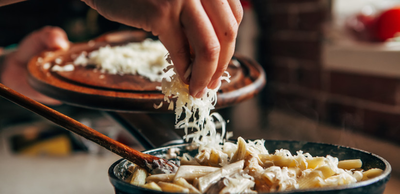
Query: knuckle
pixel 91 3
pixel 163 18
pixel 220 70
pixel 45 29
pixel 231 32
pixel 199 83
pixel 239 16
pixel 210 51
pixel 50 30
pixel 54 32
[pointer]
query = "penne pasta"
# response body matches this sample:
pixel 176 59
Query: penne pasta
pixel 241 151
pixel 214 158
pixel 182 182
pixel 139 176
pixel 350 164
pixel 313 179
pixel 204 182
pixel 371 173
pixel 153 186
pixel 310 181
pixel 326 171
pixel 190 172
pixel 314 162
pixel 277 160
pixel 188 160
pixel 172 188
pixel 238 188
pixel 160 177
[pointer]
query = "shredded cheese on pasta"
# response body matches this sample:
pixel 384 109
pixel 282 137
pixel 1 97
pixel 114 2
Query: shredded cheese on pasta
pixel 242 167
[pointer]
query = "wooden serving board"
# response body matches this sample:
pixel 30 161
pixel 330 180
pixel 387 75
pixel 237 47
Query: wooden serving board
pixel 88 87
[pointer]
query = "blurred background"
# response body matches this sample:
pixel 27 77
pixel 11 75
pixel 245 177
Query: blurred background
pixel 333 76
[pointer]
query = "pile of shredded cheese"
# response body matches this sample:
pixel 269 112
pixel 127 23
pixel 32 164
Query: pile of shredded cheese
pixel 145 58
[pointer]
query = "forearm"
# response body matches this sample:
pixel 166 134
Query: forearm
pixel 2 56
pixel 7 2
pixel 4 59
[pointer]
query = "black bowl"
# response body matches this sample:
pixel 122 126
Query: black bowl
pixel 372 186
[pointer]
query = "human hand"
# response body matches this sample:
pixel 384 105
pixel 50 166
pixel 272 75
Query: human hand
pixel 14 74
pixel 209 27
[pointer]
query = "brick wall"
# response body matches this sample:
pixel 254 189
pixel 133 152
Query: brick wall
pixel 291 49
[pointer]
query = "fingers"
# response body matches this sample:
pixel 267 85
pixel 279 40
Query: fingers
pixel 205 44
pixel 237 9
pixel 90 3
pixel 47 38
pixel 176 43
pixel 225 25
pixel 54 38
pixel 15 71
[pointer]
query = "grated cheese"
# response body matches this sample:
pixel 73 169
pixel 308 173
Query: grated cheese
pixel 68 67
pixel 194 113
pixel 143 58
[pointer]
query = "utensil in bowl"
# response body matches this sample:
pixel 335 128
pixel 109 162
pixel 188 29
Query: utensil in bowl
pixel 149 162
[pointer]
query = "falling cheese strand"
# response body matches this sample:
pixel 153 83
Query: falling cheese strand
pixel 194 113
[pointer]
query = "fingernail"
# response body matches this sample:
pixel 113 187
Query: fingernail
pixel 214 84
pixel 62 43
pixel 187 74
pixel 186 80
pixel 201 93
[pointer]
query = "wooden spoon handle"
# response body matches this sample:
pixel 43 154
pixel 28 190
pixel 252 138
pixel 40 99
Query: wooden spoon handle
pixel 72 125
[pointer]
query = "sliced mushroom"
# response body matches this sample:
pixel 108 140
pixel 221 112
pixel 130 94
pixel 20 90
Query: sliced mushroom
pixel 216 187
pixel 204 182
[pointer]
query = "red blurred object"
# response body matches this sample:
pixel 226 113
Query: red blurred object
pixel 362 26
pixel 367 21
pixel 388 24
pixel 246 3
pixel 368 24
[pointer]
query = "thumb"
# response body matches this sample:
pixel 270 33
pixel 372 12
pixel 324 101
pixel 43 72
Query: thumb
pixel 54 38
pixel 47 38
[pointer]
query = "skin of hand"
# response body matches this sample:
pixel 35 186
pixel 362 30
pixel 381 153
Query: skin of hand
pixel 209 27
pixel 14 74
pixel 8 2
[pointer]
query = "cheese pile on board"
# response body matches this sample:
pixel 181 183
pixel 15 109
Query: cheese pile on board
pixel 145 58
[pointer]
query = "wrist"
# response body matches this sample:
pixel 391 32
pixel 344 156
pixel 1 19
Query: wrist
pixel 2 62
pixel 5 57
